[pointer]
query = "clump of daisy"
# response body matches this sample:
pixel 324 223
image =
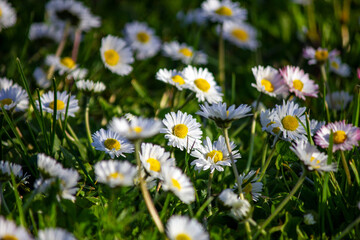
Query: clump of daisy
pixel 172 77
pixel 154 158
pixel 319 55
pixel 299 82
pixel 7 15
pixel 9 231
pixel 202 83
pixel 90 86
pixel 115 55
pixel 48 104
pixel 182 130
pixel 240 208
pixel 268 81
pixel 184 53
pixel 177 182
pixel 55 233
pixel 309 219
pixel 225 10
pixel 14 98
pixel 250 185
pixel 115 173
pixel 214 155
pixel 7 168
pixel 336 66
pixel 141 38
pixel 242 34
pixel 185 228
pixel 338 100
pixel 111 143
pixel 311 157
pixel 345 136
pixel 44 31
pixel 136 127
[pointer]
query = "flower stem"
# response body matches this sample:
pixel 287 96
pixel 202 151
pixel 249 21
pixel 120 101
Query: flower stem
pixel 189 97
pixel 87 123
pixel 221 59
pixel 325 85
pixel 347 230
pixel 267 163
pixel 76 45
pixel 209 191
pixel 2 199
pixel 346 168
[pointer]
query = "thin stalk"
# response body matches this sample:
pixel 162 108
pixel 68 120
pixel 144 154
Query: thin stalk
pixel 149 203
pixel 18 201
pixel 165 207
pixel 188 99
pixel 267 163
pixel 2 199
pixel 72 132
pixel 348 228
pixel 325 86
pixel 52 139
pixel 346 167
pixel 87 122
pixel 209 191
pixel 76 45
pixel 221 59
pixel 283 203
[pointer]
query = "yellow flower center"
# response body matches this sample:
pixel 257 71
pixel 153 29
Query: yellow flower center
pixel 224 11
pixel 180 130
pixel 9 237
pixel 111 143
pixel 111 57
pixel 115 175
pixel 182 236
pixel 186 52
pixel 60 105
pixel 276 130
pixel 216 155
pixel 175 183
pixel 227 113
pixel 0 12
pixel 240 34
pixel 335 65
pixel 178 79
pixel 68 62
pixel 298 85
pixel 143 37
pixel 247 188
pixel 290 123
pixel 339 137
pixel 267 84
pixel 202 84
pixel 321 55
pixel 6 101
pixel 154 164
pixel 137 129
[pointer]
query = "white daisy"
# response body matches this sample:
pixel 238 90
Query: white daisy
pixel 48 166
pixel 7 15
pixel 173 77
pixel 136 128
pixel 309 219
pixel 90 86
pixel 6 83
pixel 221 11
pixel 183 52
pixel 141 38
pixel 177 182
pixel 338 100
pixel 68 183
pixel 5 171
pixel 228 197
pixel 63 65
pixel 184 228
pixel 315 126
pixel 214 156
pixel 267 124
pixel 203 84
pixel 250 185
pixel 9 231
pixel 48 104
pixel 154 158
pixel 115 55
pixel 192 16
pixel 45 31
pixel 182 130
pixel 111 143
pixel 115 173
pixel 14 97
pixel 41 78
pixel 78 73
pixel 286 118
pixel 268 81
pixel 55 234
pixel 341 69
pixel 239 208
pixel 311 157
pixel 241 34
pixel 319 55
pixel 299 82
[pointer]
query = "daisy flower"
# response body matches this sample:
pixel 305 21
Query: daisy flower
pixel 221 11
pixel 345 136
pixel 5 171
pixel 90 86
pixel 268 81
pixel 9 230
pixel 154 157
pixel 299 82
pixel 214 155
pixel 336 66
pixel 241 34
pixel 41 78
pixel 48 104
pixel 7 15
pixel 136 128
pixel 115 173
pixel 309 219
pixel 71 12
pixel 48 166
pixel 177 182
pixel 111 143
pixel 185 228
pixel 14 97
pixel 182 130
pixel 267 124
pixel 45 31
pixel 338 100
pixel 6 83
pixel 315 126
pixel 68 183
pixel 286 118
pixel 173 77
pixel 115 55
pixel 222 115
pixel 239 208
pixel 63 65
pixel 319 55
pixel 184 53
pixel 192 16
pixel 78 73
pixel 311 157
pixel 202 82
pixel 55 233
pixel 141 38
pixel 250 185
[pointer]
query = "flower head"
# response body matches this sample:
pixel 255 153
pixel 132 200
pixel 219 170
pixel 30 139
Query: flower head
pixel 7 168
pixel 7 15
pixel 250 185
pixel 268 81
pixel 56 234
pixel 184 53
pixel 338 100
pixel 184 228
pixel 319 55
pixel 336 66
pixel 225 10
pixel 173 77
pixel 90 86
pixel 9 230
pixel 241 34
pixel 239 208
pixel 14 97
pixel 45 31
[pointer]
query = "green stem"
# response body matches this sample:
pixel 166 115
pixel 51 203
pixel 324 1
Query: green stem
pixel 18 201
pixel 87 122
pixel 188 99
pixel 325 85
pixel 209 191
pixel 2 199
pixel 267 163
pixel 347 230
pixel 165 207
pixel 346 167
pixel 221 59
